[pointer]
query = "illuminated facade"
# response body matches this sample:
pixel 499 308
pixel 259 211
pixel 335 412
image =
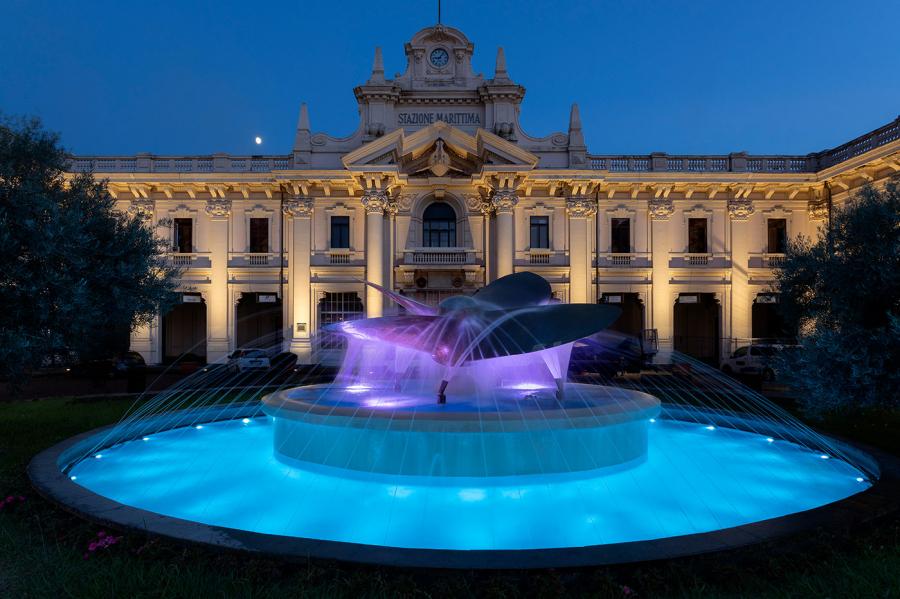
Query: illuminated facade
pixel 440 191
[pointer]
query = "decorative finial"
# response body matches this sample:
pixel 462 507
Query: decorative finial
pixel 377 67
pixel 500 68
pixel 576 137
pixel 303 121
pixel 574 118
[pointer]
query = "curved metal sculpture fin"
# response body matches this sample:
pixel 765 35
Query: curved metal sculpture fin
pixel 411 305
pixel 516 290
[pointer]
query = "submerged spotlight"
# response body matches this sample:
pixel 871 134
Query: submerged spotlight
pixel 710 428
pixel 770 439
pixel 98 456
pixel 824 456
pixel 246 421
pixel 198 427
pixel 146 439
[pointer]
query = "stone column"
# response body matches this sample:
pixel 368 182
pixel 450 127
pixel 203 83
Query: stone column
pixel 504 202
pixel 374 201
pixel 661 301
pixel 299 210
pixel 217 305
pixel 580 210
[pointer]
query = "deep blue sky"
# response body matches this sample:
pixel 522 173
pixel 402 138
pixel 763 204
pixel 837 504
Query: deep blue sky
pixel 121 77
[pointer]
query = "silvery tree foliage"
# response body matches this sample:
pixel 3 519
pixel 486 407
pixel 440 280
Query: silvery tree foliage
pixel 75 273
pixel 841 292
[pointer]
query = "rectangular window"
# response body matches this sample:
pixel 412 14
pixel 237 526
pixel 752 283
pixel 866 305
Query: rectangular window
pixel 620 236
pixel 259 235
pixel 184 235
pixel 340 232
pixel 540 232
pixel 777 235
pixel 697 241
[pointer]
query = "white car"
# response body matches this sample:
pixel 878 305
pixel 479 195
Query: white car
pixel 243 360
pixel 756 360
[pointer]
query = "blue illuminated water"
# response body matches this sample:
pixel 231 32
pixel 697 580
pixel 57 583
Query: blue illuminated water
pixel 694 480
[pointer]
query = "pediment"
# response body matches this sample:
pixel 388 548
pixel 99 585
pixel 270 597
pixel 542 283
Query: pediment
pixel 439 150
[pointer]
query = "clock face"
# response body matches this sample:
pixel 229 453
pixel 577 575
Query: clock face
pixel 439 57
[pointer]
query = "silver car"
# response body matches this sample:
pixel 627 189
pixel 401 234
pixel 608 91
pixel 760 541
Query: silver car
pixel 243 360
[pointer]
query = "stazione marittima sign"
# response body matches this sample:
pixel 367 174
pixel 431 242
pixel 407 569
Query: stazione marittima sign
pixel 429 118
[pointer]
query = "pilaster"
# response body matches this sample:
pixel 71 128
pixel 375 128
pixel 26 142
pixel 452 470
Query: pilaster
pixel 218 337
pixel 580 211
pixel 299 211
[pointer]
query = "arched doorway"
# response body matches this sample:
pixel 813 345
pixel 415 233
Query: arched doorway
pixel 439 225
pixel 697 318
pixel 258 320
pixel 184 329
pixel 631 321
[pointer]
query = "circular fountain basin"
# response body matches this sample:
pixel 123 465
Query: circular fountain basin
pixel 700 488
pixel 504 432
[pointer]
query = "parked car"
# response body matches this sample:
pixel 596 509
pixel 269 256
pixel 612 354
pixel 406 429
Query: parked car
pixel 243 360
pixel 754 360
pixel 128 362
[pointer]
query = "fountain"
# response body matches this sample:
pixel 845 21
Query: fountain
pixel 451 436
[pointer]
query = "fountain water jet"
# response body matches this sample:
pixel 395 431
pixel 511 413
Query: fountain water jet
pixel 517 468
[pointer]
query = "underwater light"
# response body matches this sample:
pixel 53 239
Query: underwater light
pixel 246 421
pixel 653 420
pixel 859 479
pixel 710 428
pixel 145 439
pixel 824 457
pixel 75 477
pixel 198 427
pixel 770 439
pixel 98 456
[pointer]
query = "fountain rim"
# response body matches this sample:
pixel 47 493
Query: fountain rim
pixel 280 404
pixel 47 472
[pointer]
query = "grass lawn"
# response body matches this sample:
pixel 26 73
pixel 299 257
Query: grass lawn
pixel 42 548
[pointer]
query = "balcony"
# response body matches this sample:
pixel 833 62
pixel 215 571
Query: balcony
pixel 624 260
pixel 539 256
pixel 699 260
pixel 252 259
pixel 439 256
pixel 339 256
pixel 765 260
pixel 189 260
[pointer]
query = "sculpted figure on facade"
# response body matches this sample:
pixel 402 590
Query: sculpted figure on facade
pixel 141 208
pixel 581 207
pixel 817 209
pixel 504 201
pixel 476 203
pixel 298 207
pixel 218 207
pixel 740 208
pixel 661 208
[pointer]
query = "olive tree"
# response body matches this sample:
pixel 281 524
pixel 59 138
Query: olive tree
pixel 841 293
pixel 74 271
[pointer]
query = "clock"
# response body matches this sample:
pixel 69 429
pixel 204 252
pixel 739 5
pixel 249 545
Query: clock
pixel 439 58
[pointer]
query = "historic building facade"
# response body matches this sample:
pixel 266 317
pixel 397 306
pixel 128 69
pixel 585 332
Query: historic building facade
pixel 440 191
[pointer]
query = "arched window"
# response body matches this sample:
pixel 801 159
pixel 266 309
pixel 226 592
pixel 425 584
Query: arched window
pixel 439 226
